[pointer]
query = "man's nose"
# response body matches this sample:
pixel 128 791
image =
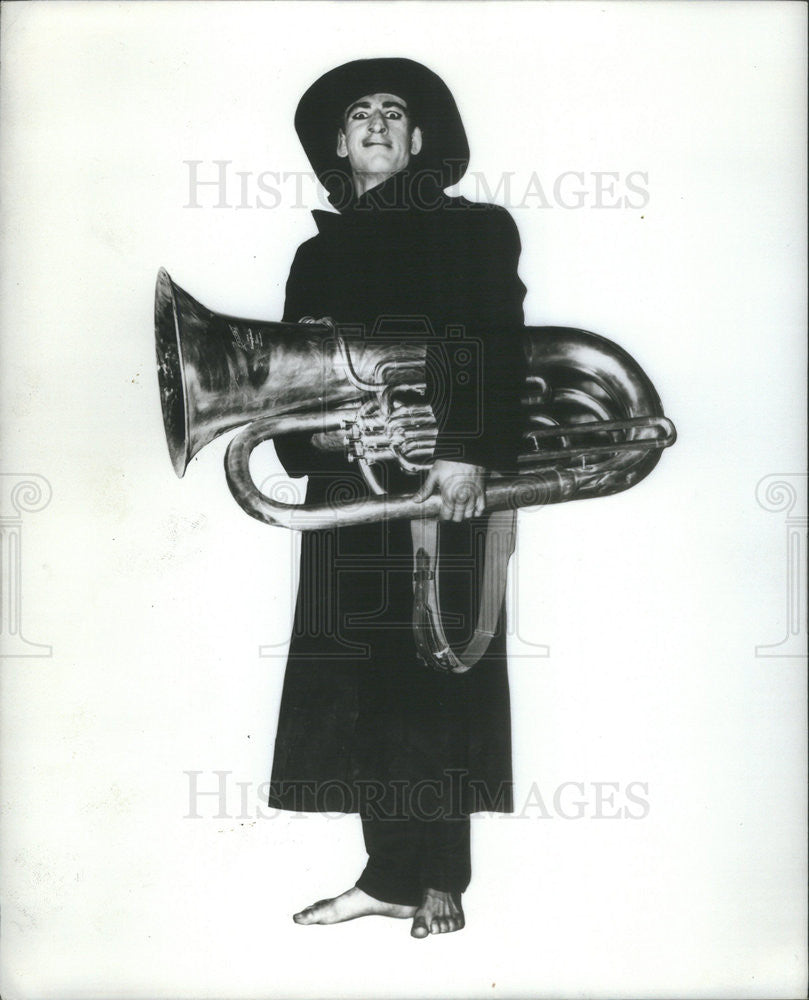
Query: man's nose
pixel 377 123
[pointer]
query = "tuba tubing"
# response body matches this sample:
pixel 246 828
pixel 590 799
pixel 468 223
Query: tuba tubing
pixel 537 488
pixel 218 372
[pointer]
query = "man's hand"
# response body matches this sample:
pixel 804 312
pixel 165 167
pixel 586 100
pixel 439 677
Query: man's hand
pixel 311 321
pixel 330 440
pixel 462 489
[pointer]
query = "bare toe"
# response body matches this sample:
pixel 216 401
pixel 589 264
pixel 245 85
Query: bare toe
pixel 419 928
pixel 311 913
pixel 440 912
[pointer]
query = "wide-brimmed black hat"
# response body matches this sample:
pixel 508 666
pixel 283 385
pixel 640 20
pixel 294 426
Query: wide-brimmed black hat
pixel 445 150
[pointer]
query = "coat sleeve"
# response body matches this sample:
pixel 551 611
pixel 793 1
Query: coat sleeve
pixel 478 399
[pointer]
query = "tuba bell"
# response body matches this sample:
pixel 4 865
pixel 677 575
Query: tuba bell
pixel 593 426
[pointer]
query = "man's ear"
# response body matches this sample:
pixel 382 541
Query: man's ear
pixel 415 141
pixel 342 149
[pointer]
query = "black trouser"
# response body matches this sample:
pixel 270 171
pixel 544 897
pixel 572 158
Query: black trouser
pixel 408 855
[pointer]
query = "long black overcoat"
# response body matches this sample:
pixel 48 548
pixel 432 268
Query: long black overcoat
pixel 361 716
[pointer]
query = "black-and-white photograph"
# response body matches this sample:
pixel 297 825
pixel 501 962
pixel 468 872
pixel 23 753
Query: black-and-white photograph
pixel 403 494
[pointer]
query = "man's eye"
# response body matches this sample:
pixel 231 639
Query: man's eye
pixel 394 114
pixel 359 114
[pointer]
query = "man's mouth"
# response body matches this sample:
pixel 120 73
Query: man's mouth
pixel 371 142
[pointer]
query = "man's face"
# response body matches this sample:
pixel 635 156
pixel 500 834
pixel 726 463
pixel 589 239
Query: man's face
pixel 377 136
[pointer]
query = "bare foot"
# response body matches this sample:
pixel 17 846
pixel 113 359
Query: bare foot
pixel 439 913
pixel 351 904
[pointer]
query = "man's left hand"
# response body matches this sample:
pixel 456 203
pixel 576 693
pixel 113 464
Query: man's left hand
pixel 462 489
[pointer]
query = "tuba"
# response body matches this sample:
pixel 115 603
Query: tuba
pixel 593 426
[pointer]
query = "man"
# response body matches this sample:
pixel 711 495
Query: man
pixel 365 726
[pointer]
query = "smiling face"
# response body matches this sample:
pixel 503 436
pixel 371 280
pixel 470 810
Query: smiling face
pixel 378 138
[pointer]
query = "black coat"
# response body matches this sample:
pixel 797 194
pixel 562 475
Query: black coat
pixel 360 712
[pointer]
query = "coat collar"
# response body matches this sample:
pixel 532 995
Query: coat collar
pixel 404 195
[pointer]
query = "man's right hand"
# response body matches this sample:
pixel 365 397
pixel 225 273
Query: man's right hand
pixel 330 440
pixel 323 321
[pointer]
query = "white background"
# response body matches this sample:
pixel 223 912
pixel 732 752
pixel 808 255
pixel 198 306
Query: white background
pixel 156 594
